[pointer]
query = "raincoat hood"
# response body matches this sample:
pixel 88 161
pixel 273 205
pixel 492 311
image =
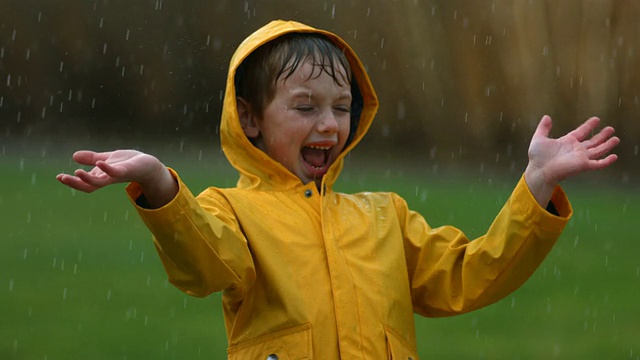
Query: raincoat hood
pixel 257 169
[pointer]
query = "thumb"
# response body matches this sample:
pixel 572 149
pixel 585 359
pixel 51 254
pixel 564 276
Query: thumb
pixel 544 127
pixel 114 171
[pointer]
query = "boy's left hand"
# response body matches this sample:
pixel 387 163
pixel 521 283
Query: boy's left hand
pixel 553 160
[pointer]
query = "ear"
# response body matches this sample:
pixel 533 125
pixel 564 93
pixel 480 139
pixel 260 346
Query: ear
pixel 248 121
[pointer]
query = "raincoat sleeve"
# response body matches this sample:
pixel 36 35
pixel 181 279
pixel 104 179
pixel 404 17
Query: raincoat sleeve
pixel 202 250
pixel 451 275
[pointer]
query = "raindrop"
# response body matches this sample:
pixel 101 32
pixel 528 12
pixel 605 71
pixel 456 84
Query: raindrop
pixel 141 69
pixel 333 12
pixel 382 43
pixel 109 295
pixel 93 103
pixel 24 254
pixel 29 216
pixel 9 80
pixel 142 256
pixel 61 65
pixel 39 16
pixel 61 106
pixel 75 269
pixel 13 35
pixel 10 285
pixel 123 70
pixel 44 112
pixel 401 110
pixel 28 54
pixel 104 48
pixel 126 37
pixel 64 294
pixel 184 304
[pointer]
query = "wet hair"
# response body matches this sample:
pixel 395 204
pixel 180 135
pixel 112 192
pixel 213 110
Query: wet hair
pixel 257 76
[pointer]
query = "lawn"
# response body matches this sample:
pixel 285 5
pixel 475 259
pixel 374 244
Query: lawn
pixel 79 277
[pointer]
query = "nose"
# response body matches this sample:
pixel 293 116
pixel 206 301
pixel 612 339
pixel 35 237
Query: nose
pixel 328 123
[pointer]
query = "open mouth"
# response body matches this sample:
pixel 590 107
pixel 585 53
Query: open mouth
pixel 316 156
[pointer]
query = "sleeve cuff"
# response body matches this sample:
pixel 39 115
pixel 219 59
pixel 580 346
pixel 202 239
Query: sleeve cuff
pixel 557 212
pixel 135 193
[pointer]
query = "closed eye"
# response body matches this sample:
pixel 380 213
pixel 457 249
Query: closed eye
pixel 304 108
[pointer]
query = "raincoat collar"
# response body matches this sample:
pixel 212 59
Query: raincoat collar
pixel 257 170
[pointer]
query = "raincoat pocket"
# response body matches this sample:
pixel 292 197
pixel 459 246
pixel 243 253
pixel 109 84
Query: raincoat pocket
pixel 289 344
pixel 397 347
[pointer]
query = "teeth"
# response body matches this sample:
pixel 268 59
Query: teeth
pixel 320 147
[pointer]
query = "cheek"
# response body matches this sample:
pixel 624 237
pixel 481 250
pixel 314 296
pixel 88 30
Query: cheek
pixel 345 128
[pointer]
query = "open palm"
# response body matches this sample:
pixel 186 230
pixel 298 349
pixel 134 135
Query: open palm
pixel 111 167
pixel 573 153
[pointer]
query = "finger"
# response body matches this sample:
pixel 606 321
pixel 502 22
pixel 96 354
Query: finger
pixel 600 137
pixel 602 163
pixel 584 130
pixel 544 127
pixel 87 157
pixel 604 148
pixel 93 178
pixel 75 183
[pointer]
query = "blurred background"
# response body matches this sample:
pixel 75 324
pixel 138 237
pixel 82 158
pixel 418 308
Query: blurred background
pixel 458 81
pixel 462 85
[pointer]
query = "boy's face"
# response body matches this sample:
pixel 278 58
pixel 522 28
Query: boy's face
pixel 306 125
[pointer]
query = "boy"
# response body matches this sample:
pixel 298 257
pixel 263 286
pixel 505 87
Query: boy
pixel 310 273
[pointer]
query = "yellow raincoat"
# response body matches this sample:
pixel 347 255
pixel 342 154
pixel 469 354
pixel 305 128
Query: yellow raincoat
pixel 308 275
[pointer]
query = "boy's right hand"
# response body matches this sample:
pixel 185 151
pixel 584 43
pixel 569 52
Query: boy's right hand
pixel 120 166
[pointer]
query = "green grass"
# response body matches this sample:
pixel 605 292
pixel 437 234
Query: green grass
pixel 79 277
